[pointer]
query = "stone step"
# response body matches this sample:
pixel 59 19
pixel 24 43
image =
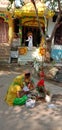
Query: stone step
pixel 4 61
pixel 4 52
pixel 4 55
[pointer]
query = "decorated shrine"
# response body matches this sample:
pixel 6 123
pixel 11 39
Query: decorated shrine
pixel 17 22
pixel 29 22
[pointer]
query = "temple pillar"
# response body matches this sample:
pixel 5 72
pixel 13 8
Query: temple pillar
pixel 11 29
pixel 20 32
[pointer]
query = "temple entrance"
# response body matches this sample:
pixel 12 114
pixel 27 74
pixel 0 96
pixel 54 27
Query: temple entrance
pixel 3 31
pixel 35 32
pixel 25 29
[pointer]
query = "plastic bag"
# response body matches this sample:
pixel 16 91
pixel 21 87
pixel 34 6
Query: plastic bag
pixel 47 98
pixel 52 106
pixel 30 103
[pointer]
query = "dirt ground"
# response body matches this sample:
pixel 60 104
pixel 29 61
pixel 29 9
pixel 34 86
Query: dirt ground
pixel 21 68
pixel 41 117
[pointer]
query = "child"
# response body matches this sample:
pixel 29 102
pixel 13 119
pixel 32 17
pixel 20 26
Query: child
pixel 41 86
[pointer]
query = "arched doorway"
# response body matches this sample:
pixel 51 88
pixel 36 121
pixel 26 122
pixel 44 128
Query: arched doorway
pixel 35 32
pixel 3 31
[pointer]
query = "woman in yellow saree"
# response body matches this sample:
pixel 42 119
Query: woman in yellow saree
pixel 16 87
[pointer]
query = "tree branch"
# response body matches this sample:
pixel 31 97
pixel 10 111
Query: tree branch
pixel 59 6
pixel 55 27
pixel 57 21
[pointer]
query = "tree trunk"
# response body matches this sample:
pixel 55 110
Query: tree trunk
pixel 49 41
pixel 41 31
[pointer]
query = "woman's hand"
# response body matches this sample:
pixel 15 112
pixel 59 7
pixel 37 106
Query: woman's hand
pixel 20 93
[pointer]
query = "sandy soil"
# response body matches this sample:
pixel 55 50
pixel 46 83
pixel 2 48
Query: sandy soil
pixel 42 116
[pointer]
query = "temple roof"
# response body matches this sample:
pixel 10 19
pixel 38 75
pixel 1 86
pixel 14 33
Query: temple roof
pixel 29 10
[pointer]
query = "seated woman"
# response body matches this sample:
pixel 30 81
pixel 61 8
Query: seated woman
pixel 16 88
